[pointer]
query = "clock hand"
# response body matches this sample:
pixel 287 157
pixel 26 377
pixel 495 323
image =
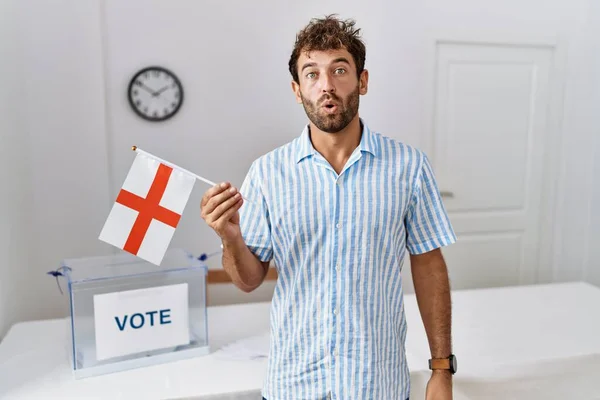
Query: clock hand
pixel 156 94
pixel 147 89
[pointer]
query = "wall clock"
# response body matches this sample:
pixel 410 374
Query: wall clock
pixel 155 93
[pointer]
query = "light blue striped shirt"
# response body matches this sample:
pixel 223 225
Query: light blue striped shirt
pixel 338 242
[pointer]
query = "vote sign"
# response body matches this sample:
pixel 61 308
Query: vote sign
pixel 140 320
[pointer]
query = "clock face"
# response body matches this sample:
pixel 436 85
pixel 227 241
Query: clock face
pixel 155 94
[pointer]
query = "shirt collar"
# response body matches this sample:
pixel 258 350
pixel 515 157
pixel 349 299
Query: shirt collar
pixel 368 143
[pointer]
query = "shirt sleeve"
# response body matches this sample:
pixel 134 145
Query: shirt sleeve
pixel 254 216
pixel 427 224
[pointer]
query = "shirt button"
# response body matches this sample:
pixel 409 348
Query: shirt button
pixel 335 352
pixel 335 311
pixel 337 267
pixel 337 226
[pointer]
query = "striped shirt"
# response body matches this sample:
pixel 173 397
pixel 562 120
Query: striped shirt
pixel 338 242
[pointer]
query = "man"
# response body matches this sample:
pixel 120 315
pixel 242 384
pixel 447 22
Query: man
pixel 336 209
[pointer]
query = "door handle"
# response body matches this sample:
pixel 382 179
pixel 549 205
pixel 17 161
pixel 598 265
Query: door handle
pixel 445 193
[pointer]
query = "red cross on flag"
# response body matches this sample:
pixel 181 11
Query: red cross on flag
pixel 148 208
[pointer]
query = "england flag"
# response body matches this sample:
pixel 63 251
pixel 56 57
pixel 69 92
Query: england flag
pixel 148 208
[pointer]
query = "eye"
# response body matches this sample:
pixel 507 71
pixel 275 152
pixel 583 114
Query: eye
pixel 311 75
pixel 340 71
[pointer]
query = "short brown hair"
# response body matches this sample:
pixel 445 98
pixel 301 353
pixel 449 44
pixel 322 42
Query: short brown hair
pixel 329 33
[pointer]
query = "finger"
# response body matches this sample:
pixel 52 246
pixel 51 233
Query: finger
pixel 225 206
pixel 218 199
pixel 227 215
pixel 213 191
pixel 219 204
pixel 208 195
pixel 216 189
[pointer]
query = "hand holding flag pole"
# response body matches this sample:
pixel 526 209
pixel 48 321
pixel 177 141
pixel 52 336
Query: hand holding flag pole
pixel 149 206
pixel 209 182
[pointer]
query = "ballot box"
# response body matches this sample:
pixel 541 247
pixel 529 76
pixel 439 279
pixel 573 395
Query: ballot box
pixel 127 313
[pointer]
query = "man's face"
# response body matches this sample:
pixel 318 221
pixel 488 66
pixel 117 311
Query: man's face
pixel 329 89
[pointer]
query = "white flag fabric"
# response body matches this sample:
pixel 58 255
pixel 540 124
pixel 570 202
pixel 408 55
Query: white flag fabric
pixel 148 209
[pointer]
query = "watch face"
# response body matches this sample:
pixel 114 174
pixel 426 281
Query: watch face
pixel 454 363
pixel 155 94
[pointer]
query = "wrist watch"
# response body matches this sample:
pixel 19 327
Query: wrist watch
pixel 448 363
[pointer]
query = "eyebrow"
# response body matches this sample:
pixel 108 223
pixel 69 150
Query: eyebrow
pixel 337 60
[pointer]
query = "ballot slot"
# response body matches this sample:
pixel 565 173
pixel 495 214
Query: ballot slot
pixel 128 313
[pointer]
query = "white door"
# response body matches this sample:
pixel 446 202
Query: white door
pixel 488 140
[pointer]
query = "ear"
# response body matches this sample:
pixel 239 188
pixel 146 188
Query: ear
pixel 296 90
pixel 363 82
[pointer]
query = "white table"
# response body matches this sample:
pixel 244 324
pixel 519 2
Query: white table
pixel 518 343
pixel 548 333
pixel 34 364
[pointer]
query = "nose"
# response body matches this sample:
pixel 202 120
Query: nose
pixel 327 84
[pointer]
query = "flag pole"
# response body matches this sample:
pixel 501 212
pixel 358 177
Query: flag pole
pixel 209 182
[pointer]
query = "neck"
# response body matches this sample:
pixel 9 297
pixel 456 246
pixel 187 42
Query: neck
pixel 337 147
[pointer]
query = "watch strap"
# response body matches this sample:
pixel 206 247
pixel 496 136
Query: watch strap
pixel 439 363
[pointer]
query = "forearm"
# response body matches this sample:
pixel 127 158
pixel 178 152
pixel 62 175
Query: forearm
pixel 246 271
pixel 432 291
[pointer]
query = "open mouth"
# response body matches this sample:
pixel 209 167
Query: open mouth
pixel 330 107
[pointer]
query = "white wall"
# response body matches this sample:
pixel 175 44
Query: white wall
pixel 592 258
pixel 69 129
pixel 14 179
pixel 54 154
pixel 576 256
pixel 236 94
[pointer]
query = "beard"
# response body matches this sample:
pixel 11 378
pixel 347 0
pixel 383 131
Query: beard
pixel 332 123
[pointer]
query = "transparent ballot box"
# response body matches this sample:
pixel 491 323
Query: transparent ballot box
pixel 128 313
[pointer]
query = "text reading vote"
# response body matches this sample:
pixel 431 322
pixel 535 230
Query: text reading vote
pixel 138 320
